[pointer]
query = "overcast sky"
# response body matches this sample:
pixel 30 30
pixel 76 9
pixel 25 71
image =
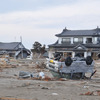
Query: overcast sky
pixel 40 20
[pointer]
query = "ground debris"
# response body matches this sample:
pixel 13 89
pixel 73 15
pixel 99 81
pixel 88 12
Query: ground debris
pixel 6 64
pixel 94 93
pixel 94 85
pixel 5 98
pixel 46 78
pixel 25 84
pixel 23 74
pixel 41 65
pixel 45 88
pixel 63 79
pixel 0 70
pixel 55 94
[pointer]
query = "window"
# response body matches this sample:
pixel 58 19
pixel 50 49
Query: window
pixel 66 40
pixel 89 40
pixel 80 39
pixel 77 39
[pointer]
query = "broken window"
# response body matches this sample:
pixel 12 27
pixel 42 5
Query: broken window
pixel 89 40
pixel 66 54
pixel 79 54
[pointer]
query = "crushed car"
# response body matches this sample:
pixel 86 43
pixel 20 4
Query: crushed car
pixel 70 67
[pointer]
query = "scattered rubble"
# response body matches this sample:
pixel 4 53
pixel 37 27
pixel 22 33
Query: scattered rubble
pixel 5 98
pixel 40 65
pixel 45 88
pixel 7 63
pixel 55 94
pixel 25 84
pixel 63 79
pixel 23 74
pixel 94 93
pixel 41 75
pixel 38 80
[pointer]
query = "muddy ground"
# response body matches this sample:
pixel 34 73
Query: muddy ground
pixel 11 86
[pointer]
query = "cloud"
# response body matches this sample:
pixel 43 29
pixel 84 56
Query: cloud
pixel 42 24
pixel 50 14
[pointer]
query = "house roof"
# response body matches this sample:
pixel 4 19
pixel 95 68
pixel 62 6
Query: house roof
pixel 9 46
pixel 66 32
pixel 23 49
pixel 80 47
pixel 77 46
pixel 67 45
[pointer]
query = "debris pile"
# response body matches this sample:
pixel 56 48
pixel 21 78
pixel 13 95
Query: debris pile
pixel 4 63
pixel 41 65
pixel 23 74
pixel 94 93
pixel 5 98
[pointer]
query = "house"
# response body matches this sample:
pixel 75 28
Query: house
pixel 14 49
pixel 77 42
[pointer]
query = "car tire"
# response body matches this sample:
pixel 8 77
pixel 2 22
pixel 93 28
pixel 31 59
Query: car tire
pixel 89 60
pixel 68 61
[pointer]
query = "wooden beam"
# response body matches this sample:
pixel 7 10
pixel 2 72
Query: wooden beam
pixel 5 98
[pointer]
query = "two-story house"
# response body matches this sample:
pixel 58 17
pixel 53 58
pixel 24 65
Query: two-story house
pixel 77 42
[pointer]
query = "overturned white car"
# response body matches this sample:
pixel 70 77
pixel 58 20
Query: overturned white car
pixel 71 67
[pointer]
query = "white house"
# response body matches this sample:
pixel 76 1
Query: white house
pixel 77 42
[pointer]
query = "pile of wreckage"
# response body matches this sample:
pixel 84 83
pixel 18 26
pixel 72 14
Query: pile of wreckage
pixel 5 62
pixel 75 67
pixel 60 68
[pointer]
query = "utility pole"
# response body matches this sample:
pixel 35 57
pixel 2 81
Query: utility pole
pixel 21 47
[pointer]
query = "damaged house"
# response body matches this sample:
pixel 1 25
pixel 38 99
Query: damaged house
pixel 14 49
pixel 77 42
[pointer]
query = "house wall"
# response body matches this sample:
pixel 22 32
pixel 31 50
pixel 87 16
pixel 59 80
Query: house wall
pixel 20 56
pixel 59 40
pixel 84 39
pixel 93 40
pixel 24 55
pixel 72 40
pixel 85 54
pixel 50 54
pixel 73 54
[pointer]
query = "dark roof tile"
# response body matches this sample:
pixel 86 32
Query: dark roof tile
pixel 9 46
pixel 67 32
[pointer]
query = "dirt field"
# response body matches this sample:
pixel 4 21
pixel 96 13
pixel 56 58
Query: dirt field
pixel 13 87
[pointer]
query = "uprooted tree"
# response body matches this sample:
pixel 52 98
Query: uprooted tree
pixel 38 48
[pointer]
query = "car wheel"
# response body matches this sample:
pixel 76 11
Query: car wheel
pixel 68 61
pixel 89 60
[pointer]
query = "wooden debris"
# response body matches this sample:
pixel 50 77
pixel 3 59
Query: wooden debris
pixel 62 79
pixel 94 93
pixel 45 88
pixel 4 98
pixel 47 78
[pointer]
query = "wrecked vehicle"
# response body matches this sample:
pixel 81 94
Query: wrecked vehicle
pixel 23 74
pixel 75 67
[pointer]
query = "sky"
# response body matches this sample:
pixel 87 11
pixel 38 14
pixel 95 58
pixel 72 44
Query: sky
pixel 41 20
